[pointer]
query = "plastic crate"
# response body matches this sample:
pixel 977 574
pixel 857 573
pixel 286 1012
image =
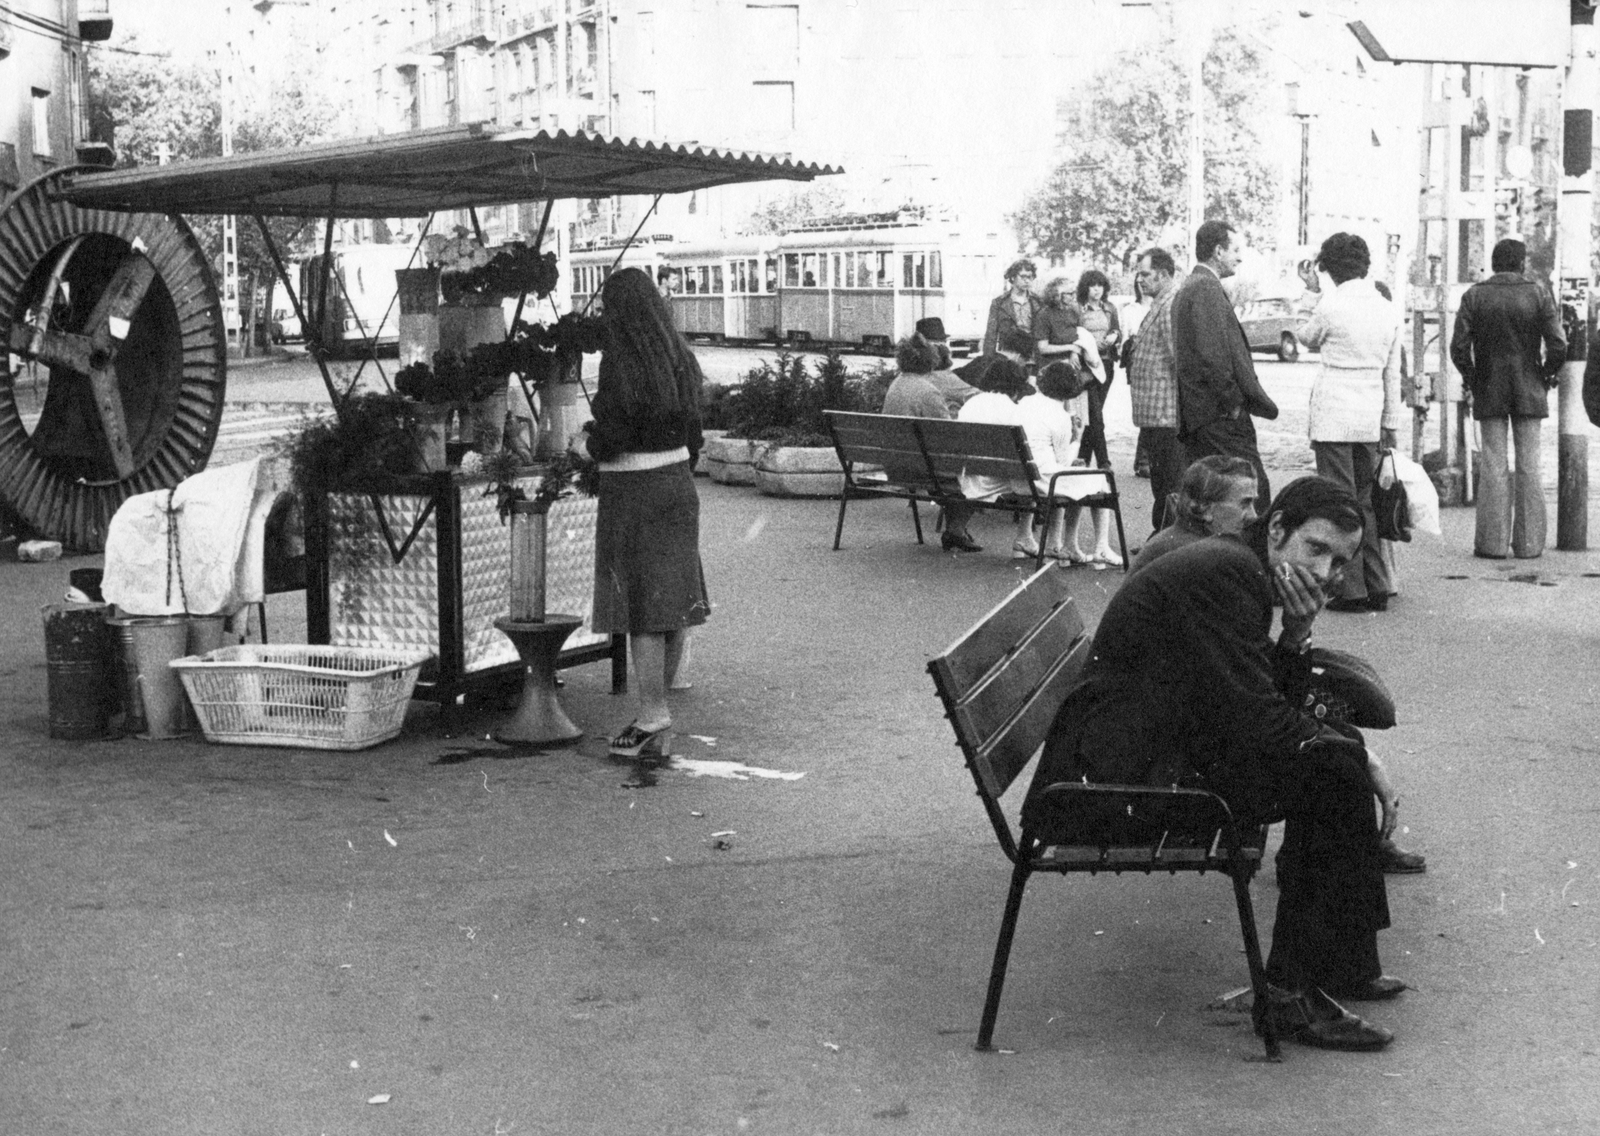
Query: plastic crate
pixel 295 694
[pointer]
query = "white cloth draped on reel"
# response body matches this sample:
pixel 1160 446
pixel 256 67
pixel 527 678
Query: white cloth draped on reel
pixel 213 563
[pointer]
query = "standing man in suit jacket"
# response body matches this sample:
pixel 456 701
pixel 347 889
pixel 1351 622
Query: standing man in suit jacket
pixel 1499 330
pixel 1217 386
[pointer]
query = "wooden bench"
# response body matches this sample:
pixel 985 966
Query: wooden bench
pixel 921 459
pixel 1002 684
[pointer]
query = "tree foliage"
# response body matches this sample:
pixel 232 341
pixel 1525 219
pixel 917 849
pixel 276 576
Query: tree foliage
pixel 781 213
pixel 1123 180
pixel 141 103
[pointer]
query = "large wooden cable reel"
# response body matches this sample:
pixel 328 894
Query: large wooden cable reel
pixel 113 371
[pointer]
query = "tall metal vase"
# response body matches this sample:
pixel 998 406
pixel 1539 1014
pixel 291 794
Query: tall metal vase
pixel 527 561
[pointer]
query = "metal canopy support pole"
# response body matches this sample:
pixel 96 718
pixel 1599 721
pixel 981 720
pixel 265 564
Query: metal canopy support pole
pixel 1577 197
pixel 312 332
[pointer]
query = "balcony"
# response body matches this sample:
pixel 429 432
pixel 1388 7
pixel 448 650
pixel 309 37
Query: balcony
pixel 478 26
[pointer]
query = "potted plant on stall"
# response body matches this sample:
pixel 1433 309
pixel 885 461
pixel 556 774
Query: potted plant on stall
pixel 550 358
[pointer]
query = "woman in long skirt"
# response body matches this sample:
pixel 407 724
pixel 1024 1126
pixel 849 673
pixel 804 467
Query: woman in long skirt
pixel 648 581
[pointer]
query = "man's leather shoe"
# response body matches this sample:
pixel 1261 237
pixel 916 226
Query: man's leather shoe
pixel 1396 861
pixel 1313 1018
pixel 958 542
pixel 1346 1032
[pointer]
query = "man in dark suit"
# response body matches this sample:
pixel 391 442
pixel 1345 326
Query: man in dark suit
pixel 1217 386
pixel 1501 325
pixel 1185 686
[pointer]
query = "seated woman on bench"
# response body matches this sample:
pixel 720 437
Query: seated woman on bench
pixel 1000 387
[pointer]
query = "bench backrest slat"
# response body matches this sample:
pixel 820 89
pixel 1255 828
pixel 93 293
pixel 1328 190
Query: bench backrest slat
pixel 1003 682
pixel 908 446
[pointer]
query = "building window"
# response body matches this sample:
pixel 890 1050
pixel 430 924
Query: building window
pixel 777 28
pixel 41 122
pixel 647 113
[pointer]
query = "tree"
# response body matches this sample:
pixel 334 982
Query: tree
pixel 1123 177
pixel 784 212
pixel 145 105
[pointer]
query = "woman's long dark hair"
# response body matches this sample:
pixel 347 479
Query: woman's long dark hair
pixel 647 365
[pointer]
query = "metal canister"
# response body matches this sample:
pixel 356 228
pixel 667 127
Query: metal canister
pixel 78 657
pixel 127 673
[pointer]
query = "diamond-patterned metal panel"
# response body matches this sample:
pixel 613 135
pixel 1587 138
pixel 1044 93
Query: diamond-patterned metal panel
pixel 375 602
pixel 569 565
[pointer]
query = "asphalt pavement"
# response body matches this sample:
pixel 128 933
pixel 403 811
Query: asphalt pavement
pixel 443 936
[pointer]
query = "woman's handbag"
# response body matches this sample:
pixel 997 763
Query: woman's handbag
pixel 1389 501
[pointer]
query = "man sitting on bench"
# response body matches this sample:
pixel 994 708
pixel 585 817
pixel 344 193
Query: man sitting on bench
pixel 1183 687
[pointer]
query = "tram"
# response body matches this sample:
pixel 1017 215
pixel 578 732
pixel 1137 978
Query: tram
pixel 859 283
pixel 361 306
pixel 592 263
pixel 726 290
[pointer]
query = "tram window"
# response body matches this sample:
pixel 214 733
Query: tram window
pixel 808 270
pixel 864 270
pixel 735 276
pixel 838 280
pixel 791 270
pixel 691 285
pixel 914 270
pixel 848 280
pixel 716 278
pixel 884 277
pixel 772 274
pixel 935 270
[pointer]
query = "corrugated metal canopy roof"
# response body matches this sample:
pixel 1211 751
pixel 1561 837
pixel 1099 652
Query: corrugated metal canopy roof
pixel 411 175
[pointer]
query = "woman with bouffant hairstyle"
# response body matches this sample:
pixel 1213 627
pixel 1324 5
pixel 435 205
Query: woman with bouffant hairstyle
pixel 648 582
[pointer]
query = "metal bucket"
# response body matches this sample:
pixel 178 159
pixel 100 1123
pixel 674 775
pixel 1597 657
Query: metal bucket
pixel 158 640
pixel 127 673
pixel 78 659
pixel 206 633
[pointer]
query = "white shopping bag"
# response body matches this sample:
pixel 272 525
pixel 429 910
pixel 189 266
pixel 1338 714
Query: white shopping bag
pixel 1422 499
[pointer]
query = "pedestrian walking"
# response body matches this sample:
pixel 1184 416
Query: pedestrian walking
pixel 1502 325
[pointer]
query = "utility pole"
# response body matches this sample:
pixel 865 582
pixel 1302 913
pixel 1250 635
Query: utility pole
pixel 230 228
pixel 1576 240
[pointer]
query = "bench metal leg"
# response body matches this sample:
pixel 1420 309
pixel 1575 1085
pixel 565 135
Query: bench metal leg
pixel 838 531
pixel 1122 537
pixel 916 519
pixel 1252 953
pixel 1002 955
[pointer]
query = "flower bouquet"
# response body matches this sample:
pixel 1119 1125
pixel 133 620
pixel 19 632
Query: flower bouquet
pixel 469 272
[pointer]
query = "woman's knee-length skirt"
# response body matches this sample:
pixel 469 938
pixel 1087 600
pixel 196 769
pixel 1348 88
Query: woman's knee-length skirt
pixel 647 573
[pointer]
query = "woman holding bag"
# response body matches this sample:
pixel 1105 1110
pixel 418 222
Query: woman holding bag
pixel 1356 410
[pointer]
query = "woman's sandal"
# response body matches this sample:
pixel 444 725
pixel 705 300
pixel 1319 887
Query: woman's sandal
pixel 1067 557
pixel 634 742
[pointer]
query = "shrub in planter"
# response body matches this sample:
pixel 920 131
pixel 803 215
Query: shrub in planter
pixel 778 437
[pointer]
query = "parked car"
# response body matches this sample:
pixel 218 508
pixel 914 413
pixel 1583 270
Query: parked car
pixel 1270 325
pixel 285 325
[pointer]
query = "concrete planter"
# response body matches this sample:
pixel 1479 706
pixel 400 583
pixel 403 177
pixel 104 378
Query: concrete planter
pixel 701 469
pixel 799 471
pixel 731 461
